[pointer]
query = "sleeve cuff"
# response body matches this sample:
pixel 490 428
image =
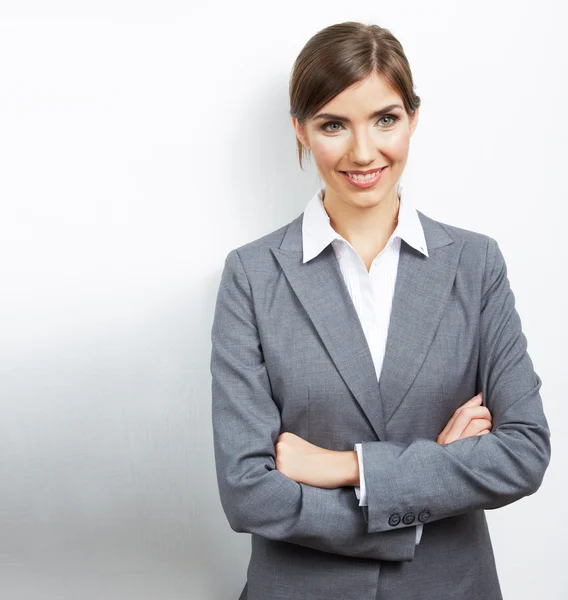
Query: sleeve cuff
pixel 419 529
pixel 361 491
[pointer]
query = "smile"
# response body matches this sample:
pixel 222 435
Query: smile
pixel 363 181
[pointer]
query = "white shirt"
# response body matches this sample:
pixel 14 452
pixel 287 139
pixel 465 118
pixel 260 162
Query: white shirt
pixel 371 291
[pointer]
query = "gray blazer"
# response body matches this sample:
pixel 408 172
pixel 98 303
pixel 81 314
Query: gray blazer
pixel 289 354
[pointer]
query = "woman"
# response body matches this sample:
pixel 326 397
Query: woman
pixel 361 462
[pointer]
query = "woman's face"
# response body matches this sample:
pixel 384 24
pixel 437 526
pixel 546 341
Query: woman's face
pixel 360 130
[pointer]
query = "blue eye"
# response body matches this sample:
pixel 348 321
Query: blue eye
pixel 393 117
pixel 325 126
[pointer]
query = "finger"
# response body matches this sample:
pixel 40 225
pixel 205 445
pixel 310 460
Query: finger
pixel 469 414
pixel 483 413
pixel 477 412
pixel 463 419
pixel 473 402
pixel 476 400
pixel 474 427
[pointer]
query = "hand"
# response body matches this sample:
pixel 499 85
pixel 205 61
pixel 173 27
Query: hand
pixel 304 462
pixel 470 419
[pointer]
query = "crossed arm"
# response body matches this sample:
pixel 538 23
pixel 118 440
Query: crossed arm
pixel 305 462
pixel 476 472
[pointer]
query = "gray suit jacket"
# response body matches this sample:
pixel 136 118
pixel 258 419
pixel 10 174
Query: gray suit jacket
pixel 289 354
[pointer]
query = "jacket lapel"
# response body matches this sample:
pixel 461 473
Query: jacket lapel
pixel 421 291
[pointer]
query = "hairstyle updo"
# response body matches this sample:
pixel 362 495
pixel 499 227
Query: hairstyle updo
pixel 341 55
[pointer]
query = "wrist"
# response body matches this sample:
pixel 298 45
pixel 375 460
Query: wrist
pixel 350 468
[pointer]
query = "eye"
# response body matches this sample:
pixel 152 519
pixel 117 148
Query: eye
pixel 326 126
pixel 393 118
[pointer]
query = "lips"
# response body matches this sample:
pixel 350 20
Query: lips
pixel 363 184
pixel 371 172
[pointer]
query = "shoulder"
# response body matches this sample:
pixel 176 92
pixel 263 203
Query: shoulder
pixel 267 241
pixel 476 246
pixel 459 234
pixel 257 252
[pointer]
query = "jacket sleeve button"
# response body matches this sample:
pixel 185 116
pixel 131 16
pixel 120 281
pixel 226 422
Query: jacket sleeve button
pixel 394 520
pixel 423 516
pixel 408 518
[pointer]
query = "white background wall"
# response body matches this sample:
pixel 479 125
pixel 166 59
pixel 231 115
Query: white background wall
pixel 139 143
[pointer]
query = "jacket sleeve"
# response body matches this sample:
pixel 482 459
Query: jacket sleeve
pixel 255 496
pixel 432 481
pixel 361 491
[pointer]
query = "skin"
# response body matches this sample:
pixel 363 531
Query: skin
pixel 366 218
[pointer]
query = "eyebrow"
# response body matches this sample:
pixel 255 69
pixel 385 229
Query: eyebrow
pixel 377 113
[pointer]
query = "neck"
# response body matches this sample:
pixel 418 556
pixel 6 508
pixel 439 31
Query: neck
pixel 364 226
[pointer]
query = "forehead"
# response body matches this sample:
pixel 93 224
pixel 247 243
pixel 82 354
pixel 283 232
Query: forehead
pixel 365 96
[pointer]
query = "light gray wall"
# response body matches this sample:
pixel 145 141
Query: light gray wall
pixel 139 143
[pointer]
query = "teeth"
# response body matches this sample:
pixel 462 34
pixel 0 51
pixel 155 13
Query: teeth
pixel 359 177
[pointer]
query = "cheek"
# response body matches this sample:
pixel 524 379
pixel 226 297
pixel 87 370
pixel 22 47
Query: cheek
pixel 398 145
pixel 327 152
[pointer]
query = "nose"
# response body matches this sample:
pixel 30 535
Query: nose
pixel 363 149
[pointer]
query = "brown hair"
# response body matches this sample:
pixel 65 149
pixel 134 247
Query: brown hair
pixel 341 55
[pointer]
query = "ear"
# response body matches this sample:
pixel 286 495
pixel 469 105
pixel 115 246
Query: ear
pixel 414 121
pixel 300 132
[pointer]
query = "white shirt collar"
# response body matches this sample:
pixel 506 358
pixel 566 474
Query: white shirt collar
pixel 317 232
